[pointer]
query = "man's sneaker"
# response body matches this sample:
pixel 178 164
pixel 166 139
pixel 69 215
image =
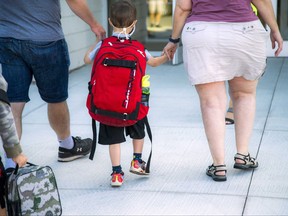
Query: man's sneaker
pixel 81 148
pixel 117 179
pixel 138 167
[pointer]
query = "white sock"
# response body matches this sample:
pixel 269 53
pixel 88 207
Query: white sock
pixel 67 143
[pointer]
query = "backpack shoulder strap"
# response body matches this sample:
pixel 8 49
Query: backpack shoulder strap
pixel 150 137
pixel 94 141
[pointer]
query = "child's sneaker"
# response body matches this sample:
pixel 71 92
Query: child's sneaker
pixel 117 179
pixel 138 167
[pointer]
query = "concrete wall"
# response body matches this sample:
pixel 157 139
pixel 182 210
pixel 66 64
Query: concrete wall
pixel 77 33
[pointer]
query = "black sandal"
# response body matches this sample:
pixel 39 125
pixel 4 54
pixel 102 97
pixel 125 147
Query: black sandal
pixel 249 162
pixel 212 172
pixel 229 121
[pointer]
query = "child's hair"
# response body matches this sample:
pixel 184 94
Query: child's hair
pixel 122 14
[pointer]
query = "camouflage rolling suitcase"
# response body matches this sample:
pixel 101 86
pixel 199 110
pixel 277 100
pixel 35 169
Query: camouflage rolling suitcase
pixel 32 190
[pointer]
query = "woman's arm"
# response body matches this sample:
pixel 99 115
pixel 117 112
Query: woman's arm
pixel 182 9
pixel 265 9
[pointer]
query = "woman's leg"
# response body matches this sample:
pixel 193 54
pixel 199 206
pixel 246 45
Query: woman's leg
pixel 160 10
pixel 243 95
pixel 213 101
pixel 152 11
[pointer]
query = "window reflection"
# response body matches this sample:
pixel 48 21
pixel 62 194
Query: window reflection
pixel 159 22
pixel 282 18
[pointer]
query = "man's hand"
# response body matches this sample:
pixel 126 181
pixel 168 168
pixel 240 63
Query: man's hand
pixel 99 31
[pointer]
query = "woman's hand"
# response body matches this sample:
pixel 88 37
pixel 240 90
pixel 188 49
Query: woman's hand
pixel 276 37
pixel 170 50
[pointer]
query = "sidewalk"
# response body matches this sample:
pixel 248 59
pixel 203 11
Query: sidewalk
pixel 178 184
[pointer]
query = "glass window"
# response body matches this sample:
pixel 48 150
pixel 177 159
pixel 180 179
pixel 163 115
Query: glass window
pixel 282 18
pixel 159 23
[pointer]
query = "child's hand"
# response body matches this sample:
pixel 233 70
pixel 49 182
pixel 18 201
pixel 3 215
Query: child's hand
pixel 20 159
pixel 165 55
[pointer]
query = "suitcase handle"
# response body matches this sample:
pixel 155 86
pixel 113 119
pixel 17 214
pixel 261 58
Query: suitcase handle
pixel 17 167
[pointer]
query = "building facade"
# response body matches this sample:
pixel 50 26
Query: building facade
pixel 79 36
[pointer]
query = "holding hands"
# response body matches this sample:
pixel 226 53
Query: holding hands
pixel 169 50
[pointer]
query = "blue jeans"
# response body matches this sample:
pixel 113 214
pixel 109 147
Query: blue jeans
pixel 48 62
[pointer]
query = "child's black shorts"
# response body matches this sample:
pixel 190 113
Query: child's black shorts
pixel 111 135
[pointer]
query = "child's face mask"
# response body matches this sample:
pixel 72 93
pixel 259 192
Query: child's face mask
pixel 124 30
pixel 127 35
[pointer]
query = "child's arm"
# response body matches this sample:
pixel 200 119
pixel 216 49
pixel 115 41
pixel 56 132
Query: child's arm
pixel 91 52
pixel 9 136
pixel 8 132
pixel 156 61
pixel 87 59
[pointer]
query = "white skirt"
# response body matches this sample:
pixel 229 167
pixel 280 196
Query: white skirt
pixel 220 51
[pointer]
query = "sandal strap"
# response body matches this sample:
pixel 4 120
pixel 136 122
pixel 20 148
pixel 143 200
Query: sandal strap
pixel 245 158
pixel 218 168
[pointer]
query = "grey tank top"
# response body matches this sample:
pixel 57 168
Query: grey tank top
pixel 37 20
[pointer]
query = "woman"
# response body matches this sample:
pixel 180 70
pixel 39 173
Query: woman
pixel 223 40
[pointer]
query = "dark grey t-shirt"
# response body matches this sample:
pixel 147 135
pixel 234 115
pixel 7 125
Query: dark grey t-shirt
pixel 37 20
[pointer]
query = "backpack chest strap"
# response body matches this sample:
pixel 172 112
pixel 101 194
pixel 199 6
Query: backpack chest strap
pixel 119 63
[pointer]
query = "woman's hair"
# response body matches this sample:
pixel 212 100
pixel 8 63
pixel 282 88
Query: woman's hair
pixel 122 14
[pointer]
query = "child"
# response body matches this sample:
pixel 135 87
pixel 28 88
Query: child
pixel 10 140
pixel 123 20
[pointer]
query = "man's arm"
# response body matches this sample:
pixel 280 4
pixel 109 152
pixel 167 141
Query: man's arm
pixel 81 9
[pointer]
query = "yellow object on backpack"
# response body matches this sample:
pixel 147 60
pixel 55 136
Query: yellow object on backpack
pixel 145 81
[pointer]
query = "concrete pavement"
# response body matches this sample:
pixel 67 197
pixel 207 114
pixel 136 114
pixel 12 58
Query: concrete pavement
pixel 178 184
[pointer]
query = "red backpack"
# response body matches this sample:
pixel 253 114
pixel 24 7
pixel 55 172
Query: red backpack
pixel 115 88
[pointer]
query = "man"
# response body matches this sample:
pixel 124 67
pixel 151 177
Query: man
pixel 32 44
